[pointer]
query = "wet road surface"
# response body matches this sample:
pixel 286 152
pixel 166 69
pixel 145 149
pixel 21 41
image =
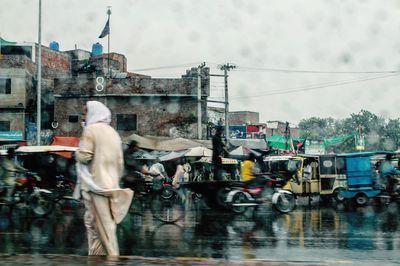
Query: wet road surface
pixel 320 235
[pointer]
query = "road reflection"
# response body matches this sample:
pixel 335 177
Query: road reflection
pixel 360 234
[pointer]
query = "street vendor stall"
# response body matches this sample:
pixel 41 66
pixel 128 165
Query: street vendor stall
pixel 202 169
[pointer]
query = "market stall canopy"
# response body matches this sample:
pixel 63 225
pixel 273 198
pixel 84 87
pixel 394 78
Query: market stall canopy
pixel 198 152
pixel 144 155
pixel 143 142
pixel 224 160
pixel 51 148
pixel 176 144
pixel 243 151
pixel 174 155
pixel 163 144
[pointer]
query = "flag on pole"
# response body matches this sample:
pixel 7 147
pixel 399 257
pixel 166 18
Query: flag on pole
pixel 106 29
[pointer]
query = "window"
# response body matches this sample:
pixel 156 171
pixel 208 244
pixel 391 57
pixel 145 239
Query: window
pixel 73 118
pixel 4 125
pixel 126 122
pixel 5 86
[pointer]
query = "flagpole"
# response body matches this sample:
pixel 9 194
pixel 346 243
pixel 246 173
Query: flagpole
pixel 108 48
pixel 109 32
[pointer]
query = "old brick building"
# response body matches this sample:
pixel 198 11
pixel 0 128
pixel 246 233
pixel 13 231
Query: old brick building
pixel 18 80
pixel 142 105
pixel 139 103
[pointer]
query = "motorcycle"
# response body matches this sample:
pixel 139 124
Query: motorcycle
pixel 43 201
pixel 25 186
pixel 265 189
pixel 154 192
pixel 385 197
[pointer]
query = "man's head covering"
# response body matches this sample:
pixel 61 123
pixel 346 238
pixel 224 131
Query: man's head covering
pixel 97 113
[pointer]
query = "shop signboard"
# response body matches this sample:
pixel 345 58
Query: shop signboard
pixel 314 147
pixel 11 135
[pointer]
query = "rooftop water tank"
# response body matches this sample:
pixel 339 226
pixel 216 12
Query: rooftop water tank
pixel 54 46
pixel 97 49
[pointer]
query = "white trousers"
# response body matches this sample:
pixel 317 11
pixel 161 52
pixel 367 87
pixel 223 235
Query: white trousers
pixel 100 226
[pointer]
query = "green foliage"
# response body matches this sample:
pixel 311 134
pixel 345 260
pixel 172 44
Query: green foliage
pixel 380 134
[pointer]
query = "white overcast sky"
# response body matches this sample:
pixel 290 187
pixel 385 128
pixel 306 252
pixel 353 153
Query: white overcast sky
pixel 321 35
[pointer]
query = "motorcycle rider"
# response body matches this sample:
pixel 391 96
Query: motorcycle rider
pixel 249 171
pixel 134 170
pixel 9 168
pixel 388 174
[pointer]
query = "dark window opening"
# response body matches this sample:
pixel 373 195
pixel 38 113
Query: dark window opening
pixel 17 50
pixel 5 86
pixel 73 118
pixel 4 125
pixel 126 122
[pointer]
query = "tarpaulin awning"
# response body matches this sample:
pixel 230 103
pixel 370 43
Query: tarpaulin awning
pixel 176 144
pixel 224 160
pixel 174 155
pixel 278 142
pixel 142 142
pixel 243 151
pixel 65 141
pixel 198 152
pixel 51 148
pixel 336 140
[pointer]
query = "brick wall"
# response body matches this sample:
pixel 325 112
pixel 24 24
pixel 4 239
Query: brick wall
pixel 54 60
pixel 117 61
pixel 86 86
pixel 160 116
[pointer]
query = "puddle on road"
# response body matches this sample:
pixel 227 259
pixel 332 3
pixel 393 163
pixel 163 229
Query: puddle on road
pixel 304 235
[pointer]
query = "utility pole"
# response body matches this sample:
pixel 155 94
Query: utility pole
pixel 39 78
pixel 199 126
pixel 227 67
pixel 287 135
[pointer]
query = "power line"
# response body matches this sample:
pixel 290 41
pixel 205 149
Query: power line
pixel 166 67
pixel 313 71
pixel 317 86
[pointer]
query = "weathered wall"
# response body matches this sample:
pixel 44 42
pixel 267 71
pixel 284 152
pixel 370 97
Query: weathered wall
pixel 160 116
pixel 87 87
pixel 16 118
pixel 19 81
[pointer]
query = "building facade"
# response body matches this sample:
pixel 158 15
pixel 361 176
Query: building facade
pixel 139 103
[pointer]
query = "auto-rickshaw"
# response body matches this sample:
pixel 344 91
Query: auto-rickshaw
pixel 362 176
pixel 321 175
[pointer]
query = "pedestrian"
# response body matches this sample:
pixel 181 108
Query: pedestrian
pixel 217 155
pixel 8 171
pixel 99 167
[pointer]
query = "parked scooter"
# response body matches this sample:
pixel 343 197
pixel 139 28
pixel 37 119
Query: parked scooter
pixel 265 189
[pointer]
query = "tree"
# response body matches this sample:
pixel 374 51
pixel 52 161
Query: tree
pixel 379 134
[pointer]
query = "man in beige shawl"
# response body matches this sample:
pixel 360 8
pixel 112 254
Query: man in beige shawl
pixel 99 168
